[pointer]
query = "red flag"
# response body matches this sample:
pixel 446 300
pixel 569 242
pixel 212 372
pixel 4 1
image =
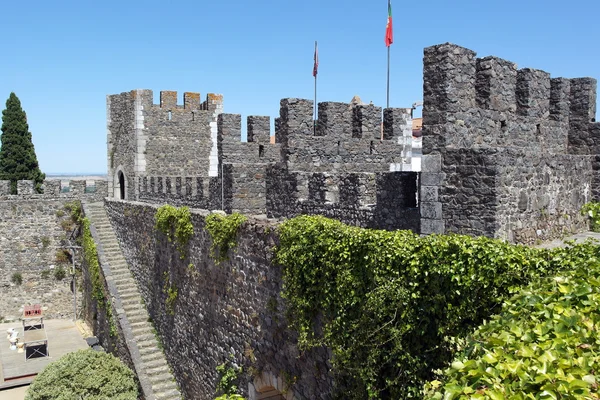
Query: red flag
pixel 316 66
pixel 389 32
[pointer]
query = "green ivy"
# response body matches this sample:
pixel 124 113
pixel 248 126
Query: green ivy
pixel 171 291
pixel 90 255
pixel 542 346
pixel 228 380
pixel 392 306
pixel 592 210
pixel 223 231
pixel 175 223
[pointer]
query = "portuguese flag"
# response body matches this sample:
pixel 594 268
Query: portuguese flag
pixel 389 32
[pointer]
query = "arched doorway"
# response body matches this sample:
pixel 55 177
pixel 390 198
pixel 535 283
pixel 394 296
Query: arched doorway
pixel 121 185
pixel 266 386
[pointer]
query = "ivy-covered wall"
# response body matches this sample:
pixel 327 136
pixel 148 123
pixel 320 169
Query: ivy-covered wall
pixel 210 312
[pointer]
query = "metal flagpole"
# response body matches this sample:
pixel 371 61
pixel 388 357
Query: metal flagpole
pixel 388 78
pixel 315 73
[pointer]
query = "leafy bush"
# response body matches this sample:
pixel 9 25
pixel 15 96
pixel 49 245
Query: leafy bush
pixel 59 273
pixel 17 278
pixel 90 256
pixel 171 291
pixel 45 242
pixel 175 223
pixel 62 256
pixel 592 210
pixel 228 381
pixel 46 273
pixel 223 231
pixel 392 305
pixel 85 374
pixel 542 346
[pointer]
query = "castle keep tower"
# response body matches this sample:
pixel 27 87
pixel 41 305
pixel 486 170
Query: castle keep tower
pixel 155 150
pixel 508 152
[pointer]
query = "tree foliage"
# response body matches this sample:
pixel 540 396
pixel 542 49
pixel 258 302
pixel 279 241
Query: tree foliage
pixel 18 160
pixel 84 374
pixel 392 306
pixel 543 345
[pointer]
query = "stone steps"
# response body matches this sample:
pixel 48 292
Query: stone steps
pixel 148 358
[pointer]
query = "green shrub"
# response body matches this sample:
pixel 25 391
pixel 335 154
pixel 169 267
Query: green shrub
pixel 392 306
pixel 62 256
pixel 171 291
pixel 45 242
pixel 223 231
pixel 17 278
pixel 46 274
pixel 90 256
pixel 60 273
pixel 542 346
pixel 228 381
pixel 175 223
pixel 592 210
pixel 85 374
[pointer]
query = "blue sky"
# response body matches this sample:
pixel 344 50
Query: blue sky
pixel 63 57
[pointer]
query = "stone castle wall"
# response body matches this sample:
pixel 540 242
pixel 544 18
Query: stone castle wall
pixel 165 153
pixel 346 168
pixel 32 231
pixel 233 308
pixel 507 151
pixel 166 139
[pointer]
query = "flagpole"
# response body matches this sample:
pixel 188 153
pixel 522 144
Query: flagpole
pixel 388 78
pixel 315 105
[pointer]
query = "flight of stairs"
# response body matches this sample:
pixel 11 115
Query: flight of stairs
pixel 151 367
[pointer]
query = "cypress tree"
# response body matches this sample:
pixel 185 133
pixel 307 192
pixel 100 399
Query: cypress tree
pixel 17 154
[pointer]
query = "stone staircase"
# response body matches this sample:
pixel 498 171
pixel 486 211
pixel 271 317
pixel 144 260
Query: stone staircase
pixel 150 364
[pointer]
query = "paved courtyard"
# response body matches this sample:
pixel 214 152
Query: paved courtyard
pixel 63 337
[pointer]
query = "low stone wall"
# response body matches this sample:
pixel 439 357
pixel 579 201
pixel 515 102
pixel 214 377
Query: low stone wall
pixel 232 310
pixel 31 234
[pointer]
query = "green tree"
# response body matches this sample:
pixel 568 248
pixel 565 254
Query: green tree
pixel 84 374
pixel 17 154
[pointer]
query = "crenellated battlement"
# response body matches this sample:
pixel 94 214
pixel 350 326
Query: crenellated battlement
pixel 506 150
pixel 54 189
pixel 492 103
pixel 257 149
pixel 345 136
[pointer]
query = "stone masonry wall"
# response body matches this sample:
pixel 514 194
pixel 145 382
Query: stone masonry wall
pixel 33 232
pixel 159 140
pixel 121 125
pixel 243 165
pixel 30 237
pixel 347 168
pixel 229 309
pixel 499 148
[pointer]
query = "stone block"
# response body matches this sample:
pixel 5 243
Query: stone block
pixel 431 210
pixel 429 193
pixel 431 163
pixel 432 179
pixel 430 226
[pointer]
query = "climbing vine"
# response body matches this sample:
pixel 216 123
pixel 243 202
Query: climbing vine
pixel 171 291
pixel 176 224
pixel 223 231
pixel 592 211
pixel 543 344
pixel 392 306
pixel 229 375
pixel 90 255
